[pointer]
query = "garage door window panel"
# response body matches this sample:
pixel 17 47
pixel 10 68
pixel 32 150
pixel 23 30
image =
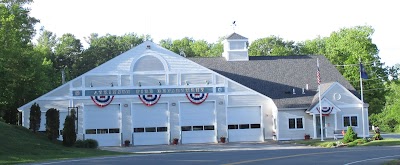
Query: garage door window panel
pixel 150 129
pixel 233 126
pixel 162 129
pixel 91 131
pixel 137 130
pixel 244 126
pixel 254 126
pixel 198 128
pixel 113 130
pixel 209 127
pixel 186 128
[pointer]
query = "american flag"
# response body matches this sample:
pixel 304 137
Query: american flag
pixel 318 74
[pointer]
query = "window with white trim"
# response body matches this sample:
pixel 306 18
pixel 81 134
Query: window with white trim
pixel 296 123
pixel 350 121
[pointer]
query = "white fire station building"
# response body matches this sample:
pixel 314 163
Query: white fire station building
pixel 150 96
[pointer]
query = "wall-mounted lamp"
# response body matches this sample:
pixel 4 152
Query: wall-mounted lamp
pixel 140 84
pixel 112 84
pixel 91 85
pixel 207 82
pixel 187 82
pixel 159 83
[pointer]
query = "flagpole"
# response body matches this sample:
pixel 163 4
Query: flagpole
pixel 319 97
pixel 362 100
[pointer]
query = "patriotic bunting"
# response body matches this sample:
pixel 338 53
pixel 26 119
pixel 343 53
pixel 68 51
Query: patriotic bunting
pixel 102 101
pixel 325 111
pixel 197 98
pixel 150 99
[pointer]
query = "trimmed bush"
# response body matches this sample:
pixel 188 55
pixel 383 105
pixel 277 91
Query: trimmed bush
pixel 34 117
pixel 79 144
pixel 91 143
pixel 52 123
pixel 88 143
pixel 69 134
pixel 349 136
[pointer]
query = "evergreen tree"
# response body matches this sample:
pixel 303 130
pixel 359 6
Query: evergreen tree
pixel 34 118
pixel 69 134
pixel 349 136
pixel 52 123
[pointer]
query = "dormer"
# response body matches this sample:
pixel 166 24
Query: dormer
pixel 235 48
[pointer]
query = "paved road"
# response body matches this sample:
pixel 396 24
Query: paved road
pixel 326 156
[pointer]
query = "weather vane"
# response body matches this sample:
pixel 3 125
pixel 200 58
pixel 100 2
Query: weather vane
pixel 233 25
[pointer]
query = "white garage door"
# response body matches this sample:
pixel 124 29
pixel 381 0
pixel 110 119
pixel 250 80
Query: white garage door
pixel 150 124
pixel 198 123
pixel 244 124
pixel 103 124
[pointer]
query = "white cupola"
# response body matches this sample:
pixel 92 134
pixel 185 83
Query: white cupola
pixel 235 48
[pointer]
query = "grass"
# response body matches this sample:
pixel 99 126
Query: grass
pixel 20 145
pixel 358 142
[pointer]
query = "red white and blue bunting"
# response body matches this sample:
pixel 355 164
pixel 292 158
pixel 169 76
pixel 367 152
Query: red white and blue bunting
pixel 325 110
pixel 197 98
pixel 150 99
pixel 102 101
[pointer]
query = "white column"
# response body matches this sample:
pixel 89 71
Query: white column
pixel 315 126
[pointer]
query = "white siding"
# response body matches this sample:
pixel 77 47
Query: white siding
pixel 101 81
pixel 219 79
pixel 173 79
pixel 148 63
pixel 149 80
pixel 60 92
pixel 125 80
pixel 240 100
pixel 238 55
pixel 196 78
pixel 288 134
pixel 346 97
pixel 77 82
pixel 233 87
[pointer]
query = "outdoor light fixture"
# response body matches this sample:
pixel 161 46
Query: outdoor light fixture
pixel 140 84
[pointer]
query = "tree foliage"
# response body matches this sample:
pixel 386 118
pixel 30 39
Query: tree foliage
pixel 35 117
pixel 273 46
pixel 52 123
pixel 102 49
pixel 19 64
pixel 69 134
pixel 389 119
pixel 189 47
pixel 347 47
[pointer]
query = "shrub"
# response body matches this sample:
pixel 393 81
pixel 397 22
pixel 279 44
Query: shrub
pixel 377 136
pixel 91 143
pixel 79 144
pixel 34 117
pixel 349 136
pixel 69 134
pixel 52 123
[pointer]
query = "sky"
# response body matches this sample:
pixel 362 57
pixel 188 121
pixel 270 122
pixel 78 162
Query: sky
pixel 295 20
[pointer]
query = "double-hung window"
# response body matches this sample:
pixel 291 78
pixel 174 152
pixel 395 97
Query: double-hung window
pixel 296 123
pixel 350 121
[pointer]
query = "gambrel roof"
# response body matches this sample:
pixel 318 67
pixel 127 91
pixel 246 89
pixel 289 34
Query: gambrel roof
pixel 277 76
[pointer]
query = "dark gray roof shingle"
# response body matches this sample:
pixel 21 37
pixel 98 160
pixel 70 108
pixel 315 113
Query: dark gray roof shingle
pixel 235 36
pixel 277 76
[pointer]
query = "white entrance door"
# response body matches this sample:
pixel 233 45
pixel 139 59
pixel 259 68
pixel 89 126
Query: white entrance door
pixel 150 124
pixel 198 122
pixel 103 124
pixel 244 124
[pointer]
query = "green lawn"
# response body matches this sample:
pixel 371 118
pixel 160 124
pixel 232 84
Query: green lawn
pixel 19 145
pixel 328 142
